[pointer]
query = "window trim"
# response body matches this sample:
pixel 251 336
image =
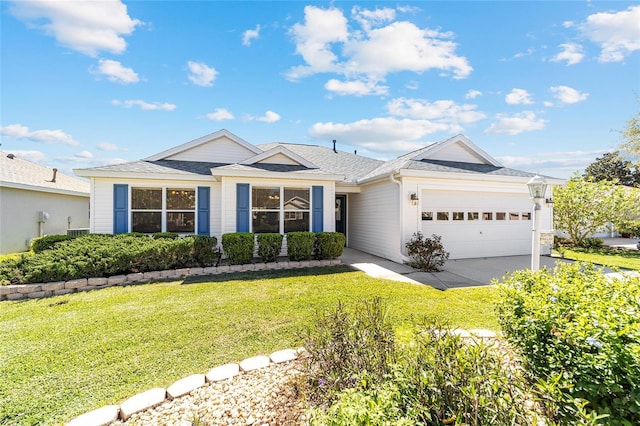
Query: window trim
pixel 163 210
pixel 282 211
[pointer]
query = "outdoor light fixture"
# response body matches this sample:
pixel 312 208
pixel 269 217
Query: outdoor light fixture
pixel 414 198
pixel 537 189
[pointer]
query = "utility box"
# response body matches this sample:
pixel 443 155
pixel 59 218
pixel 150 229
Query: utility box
pixel 43 216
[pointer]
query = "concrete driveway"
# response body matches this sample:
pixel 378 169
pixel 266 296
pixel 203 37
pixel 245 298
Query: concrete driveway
pixel 455 274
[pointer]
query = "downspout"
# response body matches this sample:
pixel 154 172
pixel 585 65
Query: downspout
pixel 401 213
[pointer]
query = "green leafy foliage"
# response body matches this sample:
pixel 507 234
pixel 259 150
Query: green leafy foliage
pixel 329 245
pixel 612 167
pixel 300 245
pixel 269 246
pixel 238 247
pixel 437 379
pixel 41 244
pixel 167 235
pixel 95 255
pixel 582 207
pixel 427 254
pixel 579 333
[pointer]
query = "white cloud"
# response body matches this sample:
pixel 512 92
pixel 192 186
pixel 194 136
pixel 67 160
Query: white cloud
pixel 384 135
pixel 358 87
pixel 617 33
pixel 106 146
pixel 571 52
pixel 201 73
pixel 18 131
pixel 250 35
pixel 518 97
pixel 515 124
pixel 568 95
pixel 558 164
pixel 88 27
pixel 147 106
pixel 380 48
pixel 220 114
pixel 84 155
pixel 115 72
pixel 445 111
pixel 472 94
pixel 313 39
pixel 568 24
pixel 269 117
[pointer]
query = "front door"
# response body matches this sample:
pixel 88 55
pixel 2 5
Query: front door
pixel 341 214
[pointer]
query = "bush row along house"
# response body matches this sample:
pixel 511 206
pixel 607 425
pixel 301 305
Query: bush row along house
pixel 220 183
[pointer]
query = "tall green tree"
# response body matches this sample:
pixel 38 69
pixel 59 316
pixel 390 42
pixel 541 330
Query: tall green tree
pixel 583 207
pixel 631 135
pixel 611 166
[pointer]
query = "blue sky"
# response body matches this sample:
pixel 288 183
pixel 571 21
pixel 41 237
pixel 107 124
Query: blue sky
pixel 542 86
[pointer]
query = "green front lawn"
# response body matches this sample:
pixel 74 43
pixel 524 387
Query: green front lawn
pixel 65 355
pixel 605 257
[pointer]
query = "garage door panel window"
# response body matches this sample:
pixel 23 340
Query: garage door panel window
pixel 443 215
pixel 501 216
pixel 514 216
pixel 458 215
pixel 473 216
pixel 427 215
pixel 487 216
pixel 526 215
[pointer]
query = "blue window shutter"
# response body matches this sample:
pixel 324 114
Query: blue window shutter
pixel 242 207
pixel 317 201
pixel 204 203
pixel 120 208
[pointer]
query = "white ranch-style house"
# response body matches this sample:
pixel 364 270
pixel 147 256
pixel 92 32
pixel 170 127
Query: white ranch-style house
pixel 220 183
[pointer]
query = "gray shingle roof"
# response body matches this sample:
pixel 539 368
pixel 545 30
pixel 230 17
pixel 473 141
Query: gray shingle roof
pixel 162 166
pixel 458 167
pixel 18 172
pixel 352 166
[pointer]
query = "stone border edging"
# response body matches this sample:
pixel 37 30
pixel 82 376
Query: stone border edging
pixel 153 397
pixel 41 290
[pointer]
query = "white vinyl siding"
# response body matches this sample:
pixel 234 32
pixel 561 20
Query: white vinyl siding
pixel 374 220
pixel 221 150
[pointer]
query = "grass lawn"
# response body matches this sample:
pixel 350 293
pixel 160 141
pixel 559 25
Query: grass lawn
pixel 65 355
pixel 604 257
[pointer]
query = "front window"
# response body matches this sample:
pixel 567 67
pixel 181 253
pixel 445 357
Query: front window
pixel 280 210
pixel 163 209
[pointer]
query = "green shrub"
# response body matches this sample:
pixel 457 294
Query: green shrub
pixel 269 246
pixel 344 344
pixel 168 235
pixel 438 378
pixel 238 247
pixel 592 243
pixel 300 245
pixel 579 333
pixel 427 254
pixel 205 250
pixel 329 245
pixel 41 244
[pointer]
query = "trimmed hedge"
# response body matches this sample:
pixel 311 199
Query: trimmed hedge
pixel 238 247
pixel 329 245
pixel 95 255
pixel 41 244
pixel 269 246
pixel 300 245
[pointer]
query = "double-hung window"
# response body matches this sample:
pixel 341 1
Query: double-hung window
pixel 163 209
pixel 280 209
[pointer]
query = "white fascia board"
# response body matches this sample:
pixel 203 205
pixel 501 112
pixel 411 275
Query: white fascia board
pixel 473 176
pixel 348 188
pixel 88 173
pixel 279 150
pixel 277 175
pixel 42 189
pixel 204 139
pixel 466 141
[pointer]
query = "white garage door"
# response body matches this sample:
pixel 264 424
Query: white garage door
pixel 477 224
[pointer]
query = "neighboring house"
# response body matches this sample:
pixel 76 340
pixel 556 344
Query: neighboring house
pixel 221 183
pixel 36 200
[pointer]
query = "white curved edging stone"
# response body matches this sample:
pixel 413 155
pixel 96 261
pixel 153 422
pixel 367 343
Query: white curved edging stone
pixel 41 290
pixel 154 397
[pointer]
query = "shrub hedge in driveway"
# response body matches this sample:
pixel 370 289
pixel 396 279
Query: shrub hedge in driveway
pixel 100 255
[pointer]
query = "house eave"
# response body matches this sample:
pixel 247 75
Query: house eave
pixel 14 185
pixel 277 175
pixel 132 175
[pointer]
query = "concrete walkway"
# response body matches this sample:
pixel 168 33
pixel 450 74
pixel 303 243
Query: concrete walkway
pixel 456 273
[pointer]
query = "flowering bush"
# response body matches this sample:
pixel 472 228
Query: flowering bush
pixel 579 331
pixel 427 254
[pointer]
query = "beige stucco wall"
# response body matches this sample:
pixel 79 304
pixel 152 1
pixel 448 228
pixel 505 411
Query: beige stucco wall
pixel 19 216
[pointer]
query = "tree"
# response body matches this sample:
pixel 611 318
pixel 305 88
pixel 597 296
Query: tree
pixel 611 166
pixel 583 207
pixel 631 135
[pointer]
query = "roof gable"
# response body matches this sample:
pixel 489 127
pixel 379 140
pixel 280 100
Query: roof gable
pixel 457 149
pixel 279 155
pixel 218 147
